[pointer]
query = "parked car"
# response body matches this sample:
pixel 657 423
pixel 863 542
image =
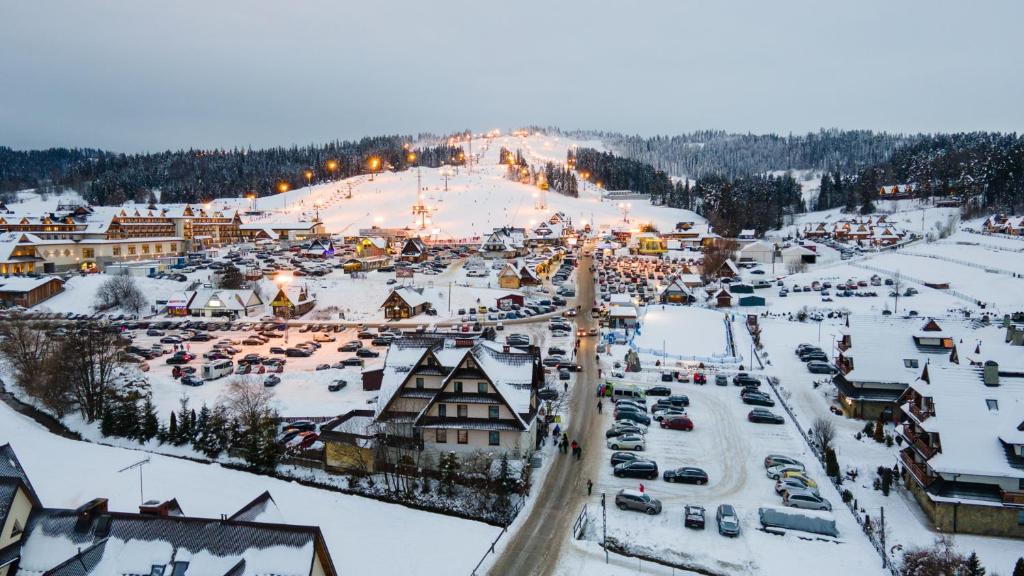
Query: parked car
pixel 783 485
pixel 663 413
pixel 693 516
pixel 677 423
pixel 779 470
pixel 762 416
pixel 547 394
pixel 675 401
pixel 820 367
pixel 337 385
pixel 757 399
pixel 620 457
pixel 350 346
pixel 367 353
pixel 627 442
pixel 298 352
pixel 636 469
pixel 190 380
pixel 628 499
pixel 776 459
pixel 721 380
pixel 622 430
pixel 637 417
pixel 806 499
pixel 728 520
pixel 686 475
pixel 271 381
pixel 742 379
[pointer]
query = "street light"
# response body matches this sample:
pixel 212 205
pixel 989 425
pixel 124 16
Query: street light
pixel 282 187
pixel 309 180
pixel 251 196
pixel 374 165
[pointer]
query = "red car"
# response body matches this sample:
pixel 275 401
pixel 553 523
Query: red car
pixel 700 378
pixel 677 423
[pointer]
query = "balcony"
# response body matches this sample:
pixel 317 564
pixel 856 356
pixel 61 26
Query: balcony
pixel 919 442
pixel 1013 498
pixel 919 471
pixel 921 414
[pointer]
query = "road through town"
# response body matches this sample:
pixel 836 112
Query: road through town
pixel 535 547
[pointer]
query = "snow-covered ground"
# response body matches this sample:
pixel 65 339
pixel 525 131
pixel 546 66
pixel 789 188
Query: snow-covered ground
pixel 362 535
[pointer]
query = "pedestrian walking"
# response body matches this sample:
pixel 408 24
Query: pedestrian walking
pixel 565 386
pixel 579 451
pixel 574 446
pixel 600 406
pixel 590 486
pixel 641 487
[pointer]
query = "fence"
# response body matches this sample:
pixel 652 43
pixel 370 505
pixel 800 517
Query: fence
pixel 580 524
pixel 490 550
pixel 955 293
pixel 989 269
pixel 872 537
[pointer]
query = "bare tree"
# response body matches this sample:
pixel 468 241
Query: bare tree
pixel 251 405
pixel 938 560
pixel 120 291
pixel 28 350
pixel 86 361
pixel 716 255
pixel 824 433
pixel 796 266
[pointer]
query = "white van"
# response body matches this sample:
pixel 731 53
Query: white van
pixel 217 369
pixel 628 391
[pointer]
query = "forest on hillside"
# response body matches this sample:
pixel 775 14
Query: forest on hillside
pixel 106 178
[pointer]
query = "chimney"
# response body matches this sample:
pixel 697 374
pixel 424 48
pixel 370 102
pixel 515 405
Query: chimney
pixel 990 376
pixel 162 509
pixel 505 349
pixel 92 508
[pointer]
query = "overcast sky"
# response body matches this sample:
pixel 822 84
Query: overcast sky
pixel 134 75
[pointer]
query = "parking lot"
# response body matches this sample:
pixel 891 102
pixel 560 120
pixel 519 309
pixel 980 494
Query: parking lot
pixel 731 450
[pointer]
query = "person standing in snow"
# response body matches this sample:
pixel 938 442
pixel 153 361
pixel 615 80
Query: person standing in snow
pixel 641 487
pixel 600 406
pixel 590 486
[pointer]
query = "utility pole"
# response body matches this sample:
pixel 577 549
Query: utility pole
pixel 604 527
pixel 882 537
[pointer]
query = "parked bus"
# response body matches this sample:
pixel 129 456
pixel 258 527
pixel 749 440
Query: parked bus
pixel 217 369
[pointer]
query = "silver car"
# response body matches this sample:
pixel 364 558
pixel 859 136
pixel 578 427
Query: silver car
pixel 635 500
pixel 793 484
pixel 806 499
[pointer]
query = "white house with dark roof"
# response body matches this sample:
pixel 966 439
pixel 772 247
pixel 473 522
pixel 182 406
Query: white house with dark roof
pixel 160 539
pixel 443 398
pixel 963 455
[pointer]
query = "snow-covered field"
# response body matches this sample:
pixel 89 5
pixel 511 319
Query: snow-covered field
pixel 362 535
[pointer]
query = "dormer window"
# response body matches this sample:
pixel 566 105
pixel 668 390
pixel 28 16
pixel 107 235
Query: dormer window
pixel 993 405
pixel 17 530
pixel 910 363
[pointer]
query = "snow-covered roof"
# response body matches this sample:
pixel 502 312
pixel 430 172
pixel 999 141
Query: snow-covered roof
pixel 757 246
pixel 880 349
pixel 968 424
pixel 24 283
pixel 411 297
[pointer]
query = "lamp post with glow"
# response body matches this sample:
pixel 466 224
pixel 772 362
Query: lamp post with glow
pixel 374 166
pixel 282 187
pixel 251 196
pixel 624 207
pixel 309 181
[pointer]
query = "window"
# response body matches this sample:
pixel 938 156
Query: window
pixel 419 383
pixel 131 250
pixel 145 248
pixel 159 248
pixel 88 253
pixel 458 387
pixel 156 570
pixel 492 412
pixel 910 363
pixel 17 530
pixel 481 387
pixel 494 438
pixel 463 436
pixel 174 247
pixel 441 436
pixel 463 411
pixel 442 410
pixel 1020 518
pixel 993 405
pixel 117 250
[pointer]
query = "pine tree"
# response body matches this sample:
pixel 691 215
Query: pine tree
pixel 1018 568
pixel 831 463
pixel 449 465
pixel 107 421
pixel 231 278
pixel 879 433
pixel 172 429
pixel 974 567
pixel 149 422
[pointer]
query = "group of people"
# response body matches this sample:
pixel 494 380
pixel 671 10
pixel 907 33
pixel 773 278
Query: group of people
pixel 562 439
